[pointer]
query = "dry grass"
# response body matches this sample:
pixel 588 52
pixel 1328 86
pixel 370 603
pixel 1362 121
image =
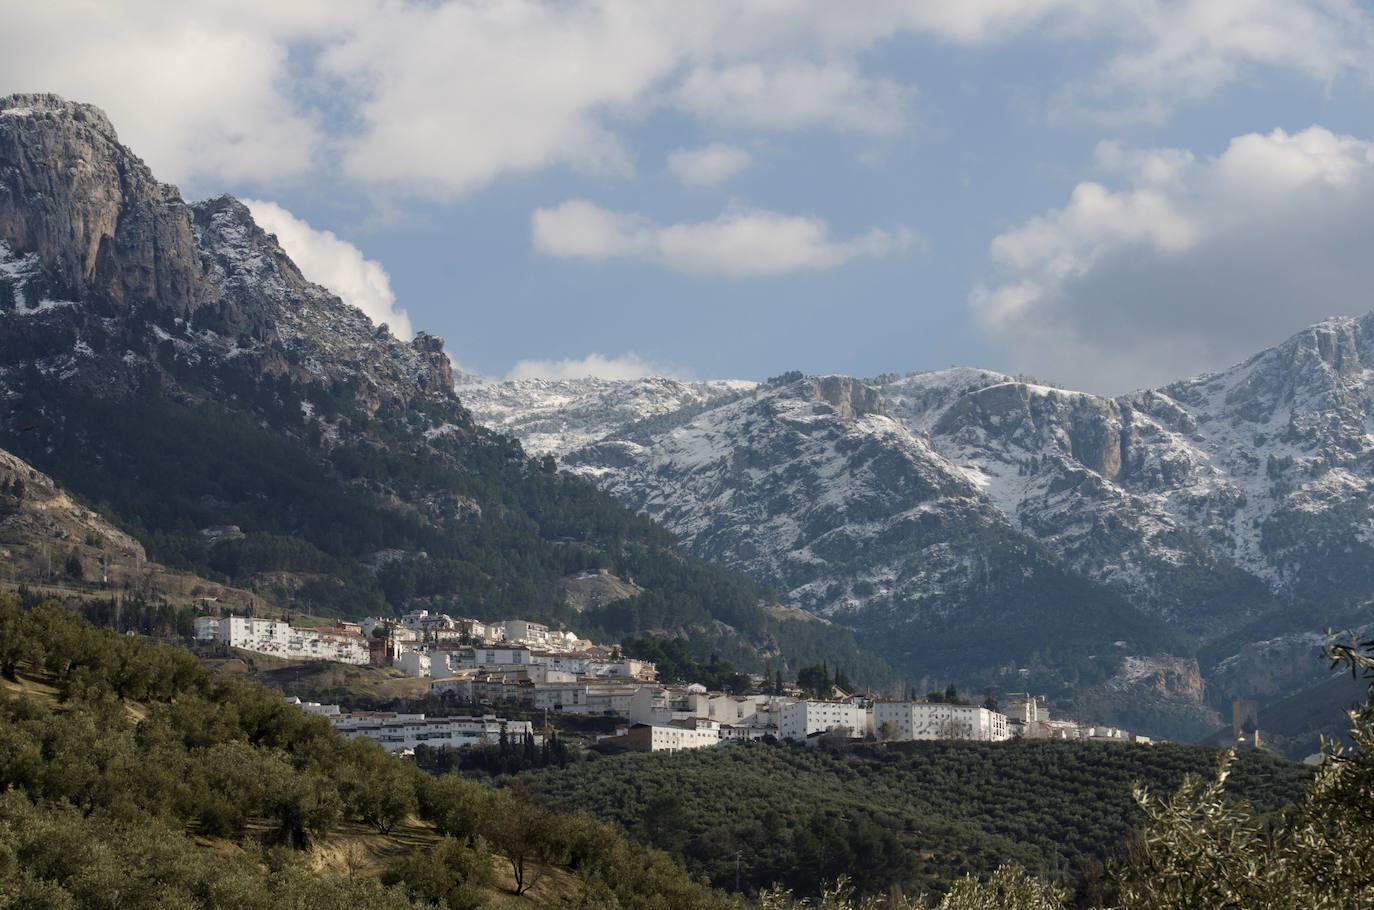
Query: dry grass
pixel 359 850
pixel 33 687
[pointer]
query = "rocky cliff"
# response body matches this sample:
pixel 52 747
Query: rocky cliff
pixel 83 221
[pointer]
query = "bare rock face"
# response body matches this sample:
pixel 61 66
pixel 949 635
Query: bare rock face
pixel 116 281
pixel 99 222
pixel 849 397
pixel 1083 427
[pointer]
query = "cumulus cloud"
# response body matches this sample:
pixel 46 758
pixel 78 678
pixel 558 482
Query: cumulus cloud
pixel 598 366
pixel 708 165
pixel 336 264
pixel 1177 262
pixel 442 98
pixel 200 90
pixel 740 243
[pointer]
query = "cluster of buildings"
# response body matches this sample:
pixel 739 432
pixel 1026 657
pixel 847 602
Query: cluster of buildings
pixel 526 663
pixel 403 732
pixel 671 719
pixel 438 645
pixel 1029 718
pixel 342 642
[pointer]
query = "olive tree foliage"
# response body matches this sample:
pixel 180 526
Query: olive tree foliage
pixel 1202 849
pixel 1008 888
pixel 451 874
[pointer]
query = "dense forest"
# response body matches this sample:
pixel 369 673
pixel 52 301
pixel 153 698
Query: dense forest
pixel 912 815
pixel 467 522
pixel 132 776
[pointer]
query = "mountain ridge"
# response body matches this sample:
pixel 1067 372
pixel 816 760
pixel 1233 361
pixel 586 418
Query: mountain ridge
pixel 1212 506
pixel 168 363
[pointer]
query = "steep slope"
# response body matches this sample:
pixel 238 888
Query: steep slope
pixel 1083 475
pixel 1231 508
pixel 812 487
pixel 1288 438
pixel 170 364
pixel 52 543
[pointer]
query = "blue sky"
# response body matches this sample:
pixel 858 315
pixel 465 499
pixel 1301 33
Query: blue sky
pixel 1107 195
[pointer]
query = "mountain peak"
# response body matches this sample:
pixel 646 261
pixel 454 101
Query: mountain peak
pixel 29 104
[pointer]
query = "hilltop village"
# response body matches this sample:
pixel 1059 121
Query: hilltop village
pixel 525 664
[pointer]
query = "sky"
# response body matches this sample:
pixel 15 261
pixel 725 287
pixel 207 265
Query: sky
pixel 1104 195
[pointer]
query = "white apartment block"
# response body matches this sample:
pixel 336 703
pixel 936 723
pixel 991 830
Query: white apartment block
pixel 414 662
pixel 922 720
pixel 534 634
pixel 279 639
pixel 403 732
pixel 656 738
pixel 503 657
pixel 803 719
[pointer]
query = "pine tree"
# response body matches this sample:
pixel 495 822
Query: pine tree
pixel 73 566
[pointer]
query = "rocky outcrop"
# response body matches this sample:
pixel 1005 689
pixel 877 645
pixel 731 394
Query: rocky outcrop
pixel 120 281
pixel 104 230
pixel 849 397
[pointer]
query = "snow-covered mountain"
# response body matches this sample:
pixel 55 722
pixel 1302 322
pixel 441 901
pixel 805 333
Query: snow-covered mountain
pixel 911 506
pixel 555 416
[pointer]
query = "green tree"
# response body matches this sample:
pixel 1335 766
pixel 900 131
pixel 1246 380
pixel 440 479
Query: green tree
pixel 815 680
pixel 524 832
pixel 73 566
pixel 451 873
pixel 375 787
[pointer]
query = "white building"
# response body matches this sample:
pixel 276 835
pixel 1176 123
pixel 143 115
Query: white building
pixel 314 707
pixel 802 719
pixel 534 634
pixel 414 662
pixel 403 732
pixel 342 644
pixel 499 657
pixel 671 738
pixel 923 720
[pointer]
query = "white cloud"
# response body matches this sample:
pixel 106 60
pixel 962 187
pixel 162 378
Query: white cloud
pixel 442 98
pixel 599 366
pixel 1187 262
pixel 454 95
pixel 201 91
pixel 1174 52
pixel 795 95
pixel 741 243
pixel 708 165
pixel 336 264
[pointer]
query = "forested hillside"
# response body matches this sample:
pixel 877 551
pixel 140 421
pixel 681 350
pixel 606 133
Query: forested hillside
pixel 132 776
pixel 169 365
pixel 912 815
